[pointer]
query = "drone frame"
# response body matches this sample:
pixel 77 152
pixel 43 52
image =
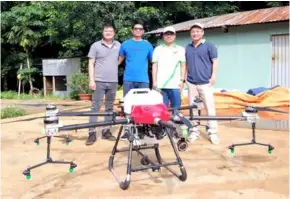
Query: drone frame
pixel 250 115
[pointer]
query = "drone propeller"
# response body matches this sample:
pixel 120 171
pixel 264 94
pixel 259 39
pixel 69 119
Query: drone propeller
pixel 25 120
pixel 84 113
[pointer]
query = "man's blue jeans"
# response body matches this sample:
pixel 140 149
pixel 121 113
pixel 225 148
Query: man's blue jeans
pixel 172 96
pixel 127 86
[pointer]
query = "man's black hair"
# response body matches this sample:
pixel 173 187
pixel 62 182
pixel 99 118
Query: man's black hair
pixel 140 22
pixel 108 25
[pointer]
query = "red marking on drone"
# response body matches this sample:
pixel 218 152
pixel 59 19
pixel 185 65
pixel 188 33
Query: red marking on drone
pixel 145 114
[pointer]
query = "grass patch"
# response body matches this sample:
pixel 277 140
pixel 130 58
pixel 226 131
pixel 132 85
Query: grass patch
pixel 9 112
pixel 24 96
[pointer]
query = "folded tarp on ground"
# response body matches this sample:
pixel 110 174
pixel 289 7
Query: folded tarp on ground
pixel 256 91
pixel 278 96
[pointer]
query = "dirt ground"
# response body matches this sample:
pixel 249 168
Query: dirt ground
pixel 212 171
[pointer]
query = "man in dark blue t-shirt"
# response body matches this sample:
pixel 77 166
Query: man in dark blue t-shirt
pixel 201 60
pixel 137 54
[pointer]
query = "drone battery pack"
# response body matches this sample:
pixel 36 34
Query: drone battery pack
pixel 146 114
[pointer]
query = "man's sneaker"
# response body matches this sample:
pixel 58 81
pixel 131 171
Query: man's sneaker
pixel 193 136
pixel 214 138
pixel 125 136
pixel 107 135
pixel 92 138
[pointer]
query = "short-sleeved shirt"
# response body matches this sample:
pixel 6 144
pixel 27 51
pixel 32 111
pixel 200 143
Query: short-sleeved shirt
pixel 106 57
pixel 199 62
pixel 169 60
pixel 137 55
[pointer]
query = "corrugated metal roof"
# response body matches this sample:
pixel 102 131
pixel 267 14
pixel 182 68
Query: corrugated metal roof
pixel 236 19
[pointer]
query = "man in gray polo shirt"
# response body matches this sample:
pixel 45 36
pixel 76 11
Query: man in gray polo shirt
pixel 201 59
pixel 103 74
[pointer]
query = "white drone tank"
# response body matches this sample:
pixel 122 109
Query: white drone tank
pixel 141 96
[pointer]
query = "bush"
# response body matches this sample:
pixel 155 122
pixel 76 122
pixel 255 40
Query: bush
pixel 79 83
pixel 9 95
pixel 9 112
pixel 24 96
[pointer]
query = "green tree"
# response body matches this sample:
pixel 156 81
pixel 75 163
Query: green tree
pixel 23 25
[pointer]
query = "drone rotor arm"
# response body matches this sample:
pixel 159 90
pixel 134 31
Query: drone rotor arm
pixel 94 124
pixel 86 113
pixel 218 118
pixel 164 123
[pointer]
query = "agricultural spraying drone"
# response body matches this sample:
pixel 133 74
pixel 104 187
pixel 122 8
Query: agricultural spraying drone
pixel 147 120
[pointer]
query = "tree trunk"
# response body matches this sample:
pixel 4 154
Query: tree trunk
pixel 28 66
pixel 19 83
pixel 5 83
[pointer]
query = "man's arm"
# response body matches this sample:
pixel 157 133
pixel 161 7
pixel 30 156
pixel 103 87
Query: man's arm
pixel 154 74
pixel 214 71
pixel 213 53
pixel 120 59
pixel 92 74
pixel 154 58
pixel 122 54
pixel 91 69
pixel 183 70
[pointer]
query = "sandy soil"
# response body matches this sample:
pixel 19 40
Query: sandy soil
pixel 212 171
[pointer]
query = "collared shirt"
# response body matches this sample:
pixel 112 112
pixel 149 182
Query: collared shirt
pixel 199 62
pixel 168 70
pixel 106 57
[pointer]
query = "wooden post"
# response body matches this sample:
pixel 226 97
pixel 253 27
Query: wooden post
pixel 44 85
pixel 53 85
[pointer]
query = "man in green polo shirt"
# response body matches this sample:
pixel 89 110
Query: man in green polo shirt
pixel 168 70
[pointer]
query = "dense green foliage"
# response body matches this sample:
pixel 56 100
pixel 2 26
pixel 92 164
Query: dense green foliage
pixel 32 31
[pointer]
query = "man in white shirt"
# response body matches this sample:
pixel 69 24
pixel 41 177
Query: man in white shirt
pixel 168 70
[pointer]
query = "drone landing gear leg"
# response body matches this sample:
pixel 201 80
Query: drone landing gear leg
pixel 183 175
pixel 48 159
pixel 270 147
pixel 123 184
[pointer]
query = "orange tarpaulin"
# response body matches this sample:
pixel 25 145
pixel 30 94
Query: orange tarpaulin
pixel 278 96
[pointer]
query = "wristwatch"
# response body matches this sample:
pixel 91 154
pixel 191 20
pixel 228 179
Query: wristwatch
pixel 182 80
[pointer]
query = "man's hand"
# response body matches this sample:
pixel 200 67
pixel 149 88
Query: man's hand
pixel 92 85
pixel 212 80
pixel 154 85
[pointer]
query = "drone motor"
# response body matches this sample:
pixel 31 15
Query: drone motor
pixel 251 115
pixel 51 122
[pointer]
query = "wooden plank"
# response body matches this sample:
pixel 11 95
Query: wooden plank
pixel 53 85
pixel 44 85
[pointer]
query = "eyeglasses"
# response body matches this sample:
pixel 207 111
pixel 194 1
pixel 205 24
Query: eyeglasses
pixel 139 29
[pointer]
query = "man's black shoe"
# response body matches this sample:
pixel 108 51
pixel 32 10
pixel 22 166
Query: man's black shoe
pixel 92 138
pixel 107 135
pixel 125 136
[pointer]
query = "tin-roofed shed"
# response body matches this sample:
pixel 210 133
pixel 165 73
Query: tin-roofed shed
pixel 253 47
pixel 55 75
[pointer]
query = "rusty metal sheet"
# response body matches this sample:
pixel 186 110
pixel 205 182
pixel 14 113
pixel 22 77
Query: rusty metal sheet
pixel 236 19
